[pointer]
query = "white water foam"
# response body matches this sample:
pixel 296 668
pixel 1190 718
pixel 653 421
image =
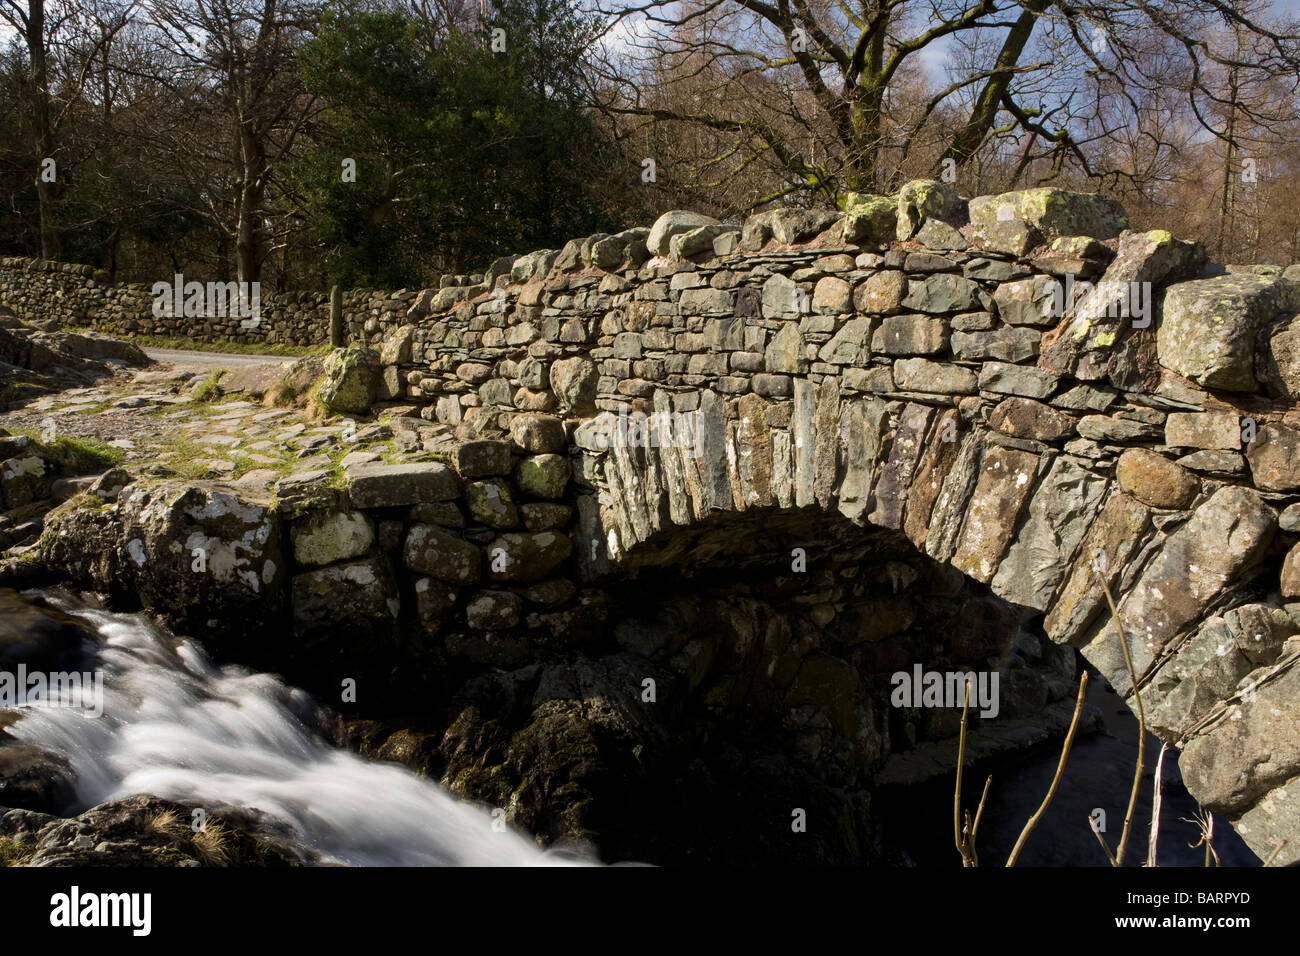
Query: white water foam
pixel 177 726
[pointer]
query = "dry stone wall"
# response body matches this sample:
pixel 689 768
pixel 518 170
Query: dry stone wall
pixel 63 295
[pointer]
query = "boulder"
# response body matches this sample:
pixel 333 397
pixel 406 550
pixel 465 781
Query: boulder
pixel 673 223
pixel 1155 480
pixel 923 200
pixel 205 558
pixel 869 220
pixel 1053 212
pixel 351 380
pixel 574 382
pixel 1209 327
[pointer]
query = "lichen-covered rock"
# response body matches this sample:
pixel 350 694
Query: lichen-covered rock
pixel 527 557
pixel 492 503
pixel 673 223
pixel 358 598
pixel 351 380
pixel 391 486
pixel 206 559
pixel 922 200
pixel 479 459
pixel 1230 765
pixel 439 554
pixel 1225 535
pixel 869 220
pixel 1094 330
pixel 434 600
pixel 1209 327
pixel 332 536
pixel 543 476
pixel 494 610
pixel 1155 480
pixel 1210 664
pixel 1274 458
pixel 1053 212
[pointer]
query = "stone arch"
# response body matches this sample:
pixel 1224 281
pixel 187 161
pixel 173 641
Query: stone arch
pixel 1192 572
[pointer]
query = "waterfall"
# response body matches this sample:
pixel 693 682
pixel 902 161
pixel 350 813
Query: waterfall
pixel 179 727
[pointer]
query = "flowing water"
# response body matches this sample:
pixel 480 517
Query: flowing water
pixel 179 727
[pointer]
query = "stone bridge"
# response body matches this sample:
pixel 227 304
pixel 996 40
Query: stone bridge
pixel 772 466
pixel 1018 386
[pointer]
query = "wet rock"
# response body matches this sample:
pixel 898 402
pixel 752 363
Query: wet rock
pixel 145 831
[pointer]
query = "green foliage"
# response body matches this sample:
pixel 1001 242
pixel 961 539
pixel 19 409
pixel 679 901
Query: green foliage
pixel 462 153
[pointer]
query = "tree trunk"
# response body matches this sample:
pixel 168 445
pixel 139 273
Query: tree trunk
pixel 46 192
pixel 249 239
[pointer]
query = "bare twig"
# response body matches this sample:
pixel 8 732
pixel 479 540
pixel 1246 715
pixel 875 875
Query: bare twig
pixel 1102 840
pixel 1276 850
pixel 1155 809
pixel 965 841
pixel 1060 769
